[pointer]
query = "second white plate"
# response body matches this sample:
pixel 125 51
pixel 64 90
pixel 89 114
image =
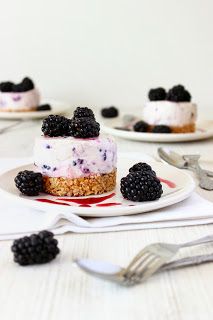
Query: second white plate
pixel 204 131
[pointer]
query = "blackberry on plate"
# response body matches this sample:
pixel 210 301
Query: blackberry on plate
pixel 84 128
pixel 110 112
pixel 82 112
pixel 6 86
pixel 55 126
pixel 29 183
pixel 35 249
pixel 161 129
pixel 141 126
pixel 27 84
pixel 178 94
pixel 157 94
pixel 139 186
pixel 43 107
pixel 142 166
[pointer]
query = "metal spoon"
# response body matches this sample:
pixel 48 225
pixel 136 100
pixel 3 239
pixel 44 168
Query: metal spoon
pixel 10 126
pixel 188 162
pixel 112 272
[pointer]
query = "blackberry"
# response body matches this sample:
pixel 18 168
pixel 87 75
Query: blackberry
pixel 17 87
pixel 55 126
pixel 82 112
pixel 84 128
pixel 178 94
pixel 139 186
pixel 142 166
pixel 110 112
pixel 27 84
pixel 6 86
pixel 29 183
pixel 161 129
pixel 141 126
pixel 43 107
pixel 157 94
pixel 35 249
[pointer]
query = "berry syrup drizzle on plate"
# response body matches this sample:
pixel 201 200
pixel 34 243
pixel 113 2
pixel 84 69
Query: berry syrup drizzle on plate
pixel 169 183
pixel 87 202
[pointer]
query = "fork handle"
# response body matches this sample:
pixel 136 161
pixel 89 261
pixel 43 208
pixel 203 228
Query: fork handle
pixel 187 262
pixel 197 242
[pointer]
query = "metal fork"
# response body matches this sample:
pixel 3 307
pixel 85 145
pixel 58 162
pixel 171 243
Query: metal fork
pixel 152 257
pixel 188 162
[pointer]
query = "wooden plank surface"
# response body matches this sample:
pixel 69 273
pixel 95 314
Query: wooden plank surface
pixel 60 291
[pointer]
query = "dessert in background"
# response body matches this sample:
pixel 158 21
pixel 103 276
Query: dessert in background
pixel 19 97
pixel 170 111
pixel 73 158
pixel 110 112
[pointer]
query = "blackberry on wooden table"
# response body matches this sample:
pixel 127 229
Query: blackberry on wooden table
pixel 35 249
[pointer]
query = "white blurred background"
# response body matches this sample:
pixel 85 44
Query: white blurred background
pixel 103 52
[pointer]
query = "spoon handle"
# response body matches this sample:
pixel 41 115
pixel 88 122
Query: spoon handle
pixel 204 181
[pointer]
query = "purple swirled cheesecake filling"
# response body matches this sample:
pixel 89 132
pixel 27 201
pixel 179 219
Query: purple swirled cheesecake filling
pixel 69 157
pixel 16 101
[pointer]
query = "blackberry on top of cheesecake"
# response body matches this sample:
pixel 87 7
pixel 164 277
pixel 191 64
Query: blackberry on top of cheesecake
pixel 73 158
pixel 172 109
pixel 20 97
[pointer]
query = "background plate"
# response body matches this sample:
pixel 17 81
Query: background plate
pixel 58 107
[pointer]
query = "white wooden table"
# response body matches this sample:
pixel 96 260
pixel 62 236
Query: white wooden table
pixel 60 291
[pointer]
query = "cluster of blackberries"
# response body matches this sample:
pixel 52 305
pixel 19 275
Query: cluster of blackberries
pixel 29 183
pixel 35 249
pixel 110 112
pixel 141 184
pixel 142 126
pixel 25 85
pixel 82 125
pixel 55 126
pixel 157 94
pixel 176 94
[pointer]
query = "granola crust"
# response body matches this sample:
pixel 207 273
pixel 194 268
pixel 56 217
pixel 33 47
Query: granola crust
pixel 23 109
pixel 85 186
pixel 188 128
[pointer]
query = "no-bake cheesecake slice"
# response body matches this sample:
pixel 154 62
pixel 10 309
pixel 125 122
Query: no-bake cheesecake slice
pixel 19 97
pixel 73 158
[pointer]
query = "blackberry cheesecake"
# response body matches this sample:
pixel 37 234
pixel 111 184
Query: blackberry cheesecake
pixel 73 158
pixel 19 97
pixel 170 111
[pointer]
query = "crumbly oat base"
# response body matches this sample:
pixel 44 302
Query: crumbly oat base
pixel 84 186
pixel 184 129
pixel 18 110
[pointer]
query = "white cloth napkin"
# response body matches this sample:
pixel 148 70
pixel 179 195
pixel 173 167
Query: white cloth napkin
pixel 17 220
